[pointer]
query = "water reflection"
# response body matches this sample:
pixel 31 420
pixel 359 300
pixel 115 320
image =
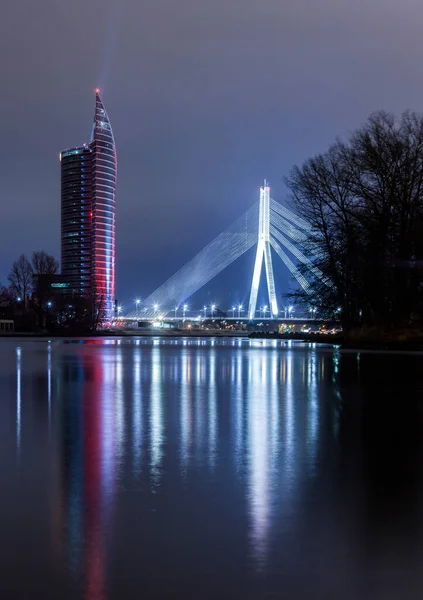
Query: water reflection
pixel 186 410
pixel 156 417
pixel 49 383
pixel 211 400
pixel 119 404
pixel 260 456
pixel 18 397
pixel 182 455
pixel 91 424
pixel 137 412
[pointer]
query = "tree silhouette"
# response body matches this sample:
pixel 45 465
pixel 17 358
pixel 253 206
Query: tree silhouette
pixel 364 202
pixel 20 277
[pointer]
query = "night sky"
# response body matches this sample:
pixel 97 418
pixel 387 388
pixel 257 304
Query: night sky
pixel 205 99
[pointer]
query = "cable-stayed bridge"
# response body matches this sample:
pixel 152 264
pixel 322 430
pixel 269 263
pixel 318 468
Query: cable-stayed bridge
pixel 268 224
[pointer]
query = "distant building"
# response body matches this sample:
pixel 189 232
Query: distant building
pixel 47 287
pixel 88 207
pixel 7 326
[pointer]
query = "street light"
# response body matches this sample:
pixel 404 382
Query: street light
pixel 205 311
pixel 233 311
pixel 265 310
pixel 119 309
pixel 239 310
pixel 137 304
pixel 176 309
pixel 290 309
pixel 213 308
pixel 156 308
pixel 184 308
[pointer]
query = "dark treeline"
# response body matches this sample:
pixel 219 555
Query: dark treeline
pixel 28 299
pixel 21 277
pixel 364 201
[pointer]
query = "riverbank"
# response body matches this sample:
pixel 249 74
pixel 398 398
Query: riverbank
pixel 394 342
pixel 118 333
pixel 412 343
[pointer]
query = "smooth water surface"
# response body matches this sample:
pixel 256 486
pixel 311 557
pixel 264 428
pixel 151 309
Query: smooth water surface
pixel 164 468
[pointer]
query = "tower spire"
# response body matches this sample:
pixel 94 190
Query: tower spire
pixel 263 251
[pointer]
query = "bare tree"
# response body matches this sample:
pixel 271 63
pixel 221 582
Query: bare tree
pixel 364 202
pixel 44 264
pixel 5 294
pixel 20 277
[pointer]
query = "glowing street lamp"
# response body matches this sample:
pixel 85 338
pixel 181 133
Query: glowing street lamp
pixel 233 311
pixel 239 310
pixel 205 310
pixel 265 310
pixel 290 309
pixel 156 308
pixel 137 304
pixel 119 309
pixel 213 308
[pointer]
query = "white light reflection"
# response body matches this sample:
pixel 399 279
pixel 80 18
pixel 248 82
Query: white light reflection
pixel 119 408
pixel 313 410
pixel 274 418
pixel 137 412
pixel 259 459
pixel 186 409
pixel 212 398
pixel 49 383
pixel 108 431
pixel 289 415
pixel 156 417
pixel 238 420
pixel 18 397
pixel 200 402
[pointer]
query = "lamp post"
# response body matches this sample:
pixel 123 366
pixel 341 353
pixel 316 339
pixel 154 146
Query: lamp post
pixel 205 311
pixel 49 304
pixel 176 310
pixel 137 304
pixel 265 310
pixel 156 308
pixel 233 311
pixel 290 309
pixel 213 308
pixel 184 310
pixel 239 310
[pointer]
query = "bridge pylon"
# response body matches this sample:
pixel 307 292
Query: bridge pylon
pixel 263 251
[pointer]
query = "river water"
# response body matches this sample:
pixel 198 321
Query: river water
pixel 201 468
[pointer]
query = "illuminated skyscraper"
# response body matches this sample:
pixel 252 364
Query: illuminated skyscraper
pixel 103 252
pixel 89 214
pixel 76 208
